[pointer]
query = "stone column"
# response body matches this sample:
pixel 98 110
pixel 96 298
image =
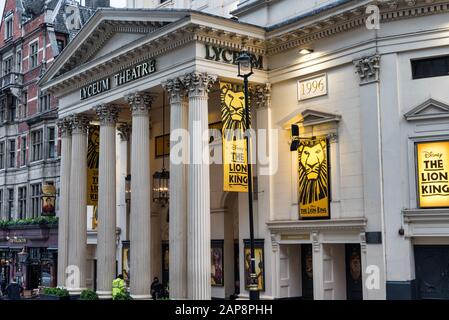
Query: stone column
pixel 106 246
pixel 178 186
pixel 78 206
pixel 63 226
pixel 198 210
pixel 140 237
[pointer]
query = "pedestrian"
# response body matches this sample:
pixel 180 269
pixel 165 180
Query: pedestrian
pixel 118 286
pixel 13 291
pixel 156 287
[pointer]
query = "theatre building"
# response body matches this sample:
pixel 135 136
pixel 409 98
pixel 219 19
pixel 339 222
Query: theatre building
pixel 351 131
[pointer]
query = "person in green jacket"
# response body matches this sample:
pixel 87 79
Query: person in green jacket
pixel 118 286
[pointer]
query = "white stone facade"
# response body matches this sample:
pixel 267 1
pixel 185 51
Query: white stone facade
pixel 365 113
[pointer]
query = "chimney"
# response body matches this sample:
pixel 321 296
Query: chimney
pixel 94 4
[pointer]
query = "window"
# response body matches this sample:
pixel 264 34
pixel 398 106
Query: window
pixel 10 203
pixel 2 155
pixel 24 105
pixel 7 66
pixel 8 27
pixel 51 142
pixel 12 154
pixel 36 145
pixel 12 109
pixel 21 214
pixel 33 54
pixel 430 67
pixel 23 151
pixel 2 110
pixel 19 61
pixel 1 203
pixel 44 102
pixel 61 45
pixel 35 199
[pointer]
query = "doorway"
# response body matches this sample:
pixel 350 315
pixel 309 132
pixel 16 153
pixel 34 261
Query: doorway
pixel 432 271
pixel 307 271
pixel 34 276
pixel 354 289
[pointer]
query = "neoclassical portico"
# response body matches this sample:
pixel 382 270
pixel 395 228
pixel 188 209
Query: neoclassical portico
pixel 86 81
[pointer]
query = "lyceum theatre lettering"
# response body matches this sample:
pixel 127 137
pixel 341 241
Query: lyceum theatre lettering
pixel 120 78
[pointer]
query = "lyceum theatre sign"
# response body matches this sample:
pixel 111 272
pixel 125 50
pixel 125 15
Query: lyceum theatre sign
pixel 120 78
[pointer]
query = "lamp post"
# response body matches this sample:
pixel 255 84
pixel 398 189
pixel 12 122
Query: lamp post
pixel 245 69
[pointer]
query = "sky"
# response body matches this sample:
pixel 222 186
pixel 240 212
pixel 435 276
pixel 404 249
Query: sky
pixel 114 3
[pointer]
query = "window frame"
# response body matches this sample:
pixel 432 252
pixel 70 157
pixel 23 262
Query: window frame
pixel 35 144
pixel 10 202
pixel 23 150
pixel 11 153
pixel 35 197
pixel 51 143
pixel 414 61
pixel 9 22
pixel 33 57
pixel 22 202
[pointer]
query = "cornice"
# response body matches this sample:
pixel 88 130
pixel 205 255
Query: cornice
pixel 316 225
pixel 301 33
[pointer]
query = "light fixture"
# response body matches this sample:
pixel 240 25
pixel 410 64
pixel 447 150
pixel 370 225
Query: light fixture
pixel 245 65
pixel 23 256
pixel 305 51
pixel 161 178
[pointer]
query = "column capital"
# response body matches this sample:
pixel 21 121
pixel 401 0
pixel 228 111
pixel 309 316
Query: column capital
pixel 261 95
pixel 107 113
pixel 198 83
pixel 140 103
pixel 124 131
pixel 65 126
pixel 368 68
pixel 175 89
pixel 79 124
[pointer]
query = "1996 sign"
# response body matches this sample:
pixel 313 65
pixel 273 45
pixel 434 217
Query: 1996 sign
pixel 312 87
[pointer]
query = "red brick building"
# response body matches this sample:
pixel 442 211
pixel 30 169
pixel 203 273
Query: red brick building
pixel 32 35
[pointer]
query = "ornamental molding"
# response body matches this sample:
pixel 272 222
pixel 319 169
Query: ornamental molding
pixel 107 114
pixel 124 131
pixel 342 21
pixel 65 126
pixel 261 96
pixel 140 103
pixel 198 83
pixel 368 69
pixel 104 32
pixel 317 225
pixel 431 109
pixel 175 89
pixel 79 123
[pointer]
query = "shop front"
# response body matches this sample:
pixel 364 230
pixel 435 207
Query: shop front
pixel 28 255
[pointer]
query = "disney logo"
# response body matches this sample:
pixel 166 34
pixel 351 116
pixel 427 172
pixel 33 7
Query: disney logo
pixel 431 154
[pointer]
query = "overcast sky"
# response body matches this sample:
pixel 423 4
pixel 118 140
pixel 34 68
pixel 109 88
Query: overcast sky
pixel 114 3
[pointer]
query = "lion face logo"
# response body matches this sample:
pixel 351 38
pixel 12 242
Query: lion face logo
pixel 92 152
pixel 312 170
pixel 233 107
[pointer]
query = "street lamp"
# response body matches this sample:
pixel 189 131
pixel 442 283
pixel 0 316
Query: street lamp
pixel 245 68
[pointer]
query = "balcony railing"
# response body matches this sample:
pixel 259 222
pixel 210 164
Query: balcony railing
pixel 12 79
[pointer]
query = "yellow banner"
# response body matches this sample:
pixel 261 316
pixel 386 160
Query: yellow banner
pixel 433 174
pixel 235 163
pixel 93 152
pixel 313 179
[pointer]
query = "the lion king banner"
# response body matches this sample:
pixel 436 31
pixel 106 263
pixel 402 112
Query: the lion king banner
pixel 235 164
pixel 93 151
pixel 313 179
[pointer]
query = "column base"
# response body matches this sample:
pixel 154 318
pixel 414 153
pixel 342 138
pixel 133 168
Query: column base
pixel 75 291
pixel 141 296
pixel 104 295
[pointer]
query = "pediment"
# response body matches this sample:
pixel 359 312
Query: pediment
pixel 106 32
pixel 309 117
pixel 313 117
pixel 430 109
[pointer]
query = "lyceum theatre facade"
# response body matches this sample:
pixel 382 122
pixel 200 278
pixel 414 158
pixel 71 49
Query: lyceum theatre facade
pixel 322 104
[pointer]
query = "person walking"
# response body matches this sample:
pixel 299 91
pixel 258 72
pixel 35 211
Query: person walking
pixel 118 286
